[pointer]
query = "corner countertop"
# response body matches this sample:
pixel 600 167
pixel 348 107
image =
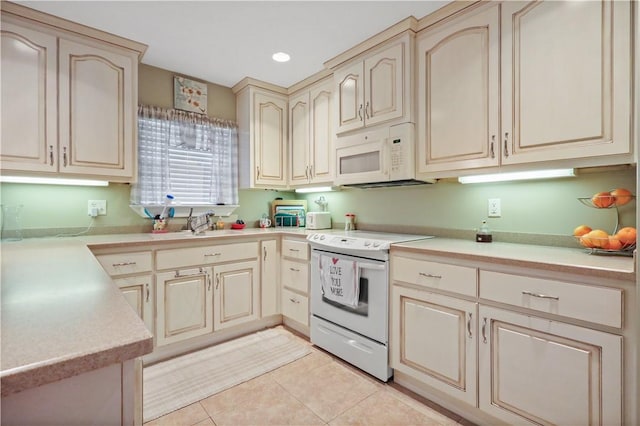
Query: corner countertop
pixel 62 315
pixel 559 259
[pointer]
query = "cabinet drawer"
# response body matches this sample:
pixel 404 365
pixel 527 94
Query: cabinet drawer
pixel 295 249
pixel 295 306
pixel 596 304
pixel 457 279
pixel 125 263
pixel 193 256
pixel 295 275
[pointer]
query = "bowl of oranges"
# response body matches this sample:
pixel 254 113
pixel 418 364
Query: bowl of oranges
pixel 597 241
pixel 607 200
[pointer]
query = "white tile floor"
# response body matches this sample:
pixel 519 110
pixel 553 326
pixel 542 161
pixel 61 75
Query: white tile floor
pixel 315 390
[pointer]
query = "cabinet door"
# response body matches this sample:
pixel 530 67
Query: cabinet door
pixel 322 154
pixel 270 290
pixel 29 132
pixel 434 341
pixel 138 292
pixel 299 142
pixel 270 139
pixel 458 95
pixel 236 295
pixel 184 305
pixel 384 84
pixel 566 80
pixel 545 372
pixel 349 84
pixel 97 116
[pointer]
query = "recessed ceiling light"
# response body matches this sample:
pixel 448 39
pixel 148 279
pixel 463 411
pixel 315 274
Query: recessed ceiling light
pixel 281 57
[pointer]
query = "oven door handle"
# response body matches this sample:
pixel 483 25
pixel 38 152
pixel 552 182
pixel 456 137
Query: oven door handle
pixel 373 266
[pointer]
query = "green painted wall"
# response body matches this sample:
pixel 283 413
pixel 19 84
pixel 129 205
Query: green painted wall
pixel 548 207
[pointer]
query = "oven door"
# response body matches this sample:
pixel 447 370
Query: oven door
pixel 369 317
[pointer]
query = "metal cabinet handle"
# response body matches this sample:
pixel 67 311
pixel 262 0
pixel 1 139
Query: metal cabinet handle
pixel 540 295
pixel 264 252
pixel 469 325
pixel 217 281
pixel 293 249
pixel 360 112
pixel 424 274
pixel 64 156
pixel 366 110
pixel 506 146
pixel 257 172
pixel 484 330
pixel 51 155
pixel 212 254
pixel 115 265
pixel 493 141
pixel 294 269
pixel 208 282
pixel 294 300
pixel 146 286
pixel 311 175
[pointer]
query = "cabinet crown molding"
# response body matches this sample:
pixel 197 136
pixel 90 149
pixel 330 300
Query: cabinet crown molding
pixel 248 81
pixel 12 9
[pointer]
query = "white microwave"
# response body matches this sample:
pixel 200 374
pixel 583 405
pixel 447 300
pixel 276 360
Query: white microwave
pixel 382 157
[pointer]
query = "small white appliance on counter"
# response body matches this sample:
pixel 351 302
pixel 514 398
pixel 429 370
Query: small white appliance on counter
pixel 318 220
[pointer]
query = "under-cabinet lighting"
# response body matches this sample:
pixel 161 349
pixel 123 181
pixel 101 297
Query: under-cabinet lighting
pixel 314 189
pixel 502 177
pixel 53 181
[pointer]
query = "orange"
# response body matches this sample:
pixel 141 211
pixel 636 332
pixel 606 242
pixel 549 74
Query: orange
pixel 622 196
pixel 602 200
pixel 627 236
pixel 614 243
pixel 597 239
pixel 581 230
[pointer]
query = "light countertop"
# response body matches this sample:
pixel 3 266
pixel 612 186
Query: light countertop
pixel 560 259
pixel 62 315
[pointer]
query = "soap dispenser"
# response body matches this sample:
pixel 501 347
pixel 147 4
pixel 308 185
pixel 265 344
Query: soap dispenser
pixel 484 235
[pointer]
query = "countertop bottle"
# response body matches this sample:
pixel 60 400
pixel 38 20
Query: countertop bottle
pixel 484 235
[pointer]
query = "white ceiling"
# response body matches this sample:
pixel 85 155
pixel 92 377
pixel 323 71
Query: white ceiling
pixel 224 41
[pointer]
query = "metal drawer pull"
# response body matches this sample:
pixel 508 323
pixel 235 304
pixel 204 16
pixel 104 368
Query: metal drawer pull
pixel 294 300
pixel 293 249
pixel 484 330
pixel 294 269
pixel 212 254
pixel 51 155
pixel 430 275
pixel 541 296
pixel 469 325
pixel 506 146
pixel 115 265
pixel 493 141
pixel 147 288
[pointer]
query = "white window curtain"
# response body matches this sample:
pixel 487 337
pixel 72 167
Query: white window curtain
pixel 190 156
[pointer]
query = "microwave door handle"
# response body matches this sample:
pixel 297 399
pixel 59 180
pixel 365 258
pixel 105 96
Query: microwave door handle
pixel 386 157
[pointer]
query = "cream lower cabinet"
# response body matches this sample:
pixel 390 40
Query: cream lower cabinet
pixel 269 278
pixel 184 305
pixel 435 340
pixel 140 294
pixel 236 295
pixel 537 371
pixel 295 280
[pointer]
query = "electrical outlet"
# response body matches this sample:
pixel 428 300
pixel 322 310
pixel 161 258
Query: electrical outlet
pixel 495 209
pixel 99 205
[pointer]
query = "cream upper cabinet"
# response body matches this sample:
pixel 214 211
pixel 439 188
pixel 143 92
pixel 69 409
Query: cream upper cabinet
pixel 376 88
pixel 29 95
pixel 536 371
pixel 311 135
pixel 458 109
pixel 566 80
pixel 97 110
pixel 68 101
pixel 262 120
pixel 525 83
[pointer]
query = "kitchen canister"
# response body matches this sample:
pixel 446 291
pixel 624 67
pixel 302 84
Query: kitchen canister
pixel 349 222
pixel 11 222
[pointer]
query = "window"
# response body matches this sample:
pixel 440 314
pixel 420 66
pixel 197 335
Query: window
pixel 191 156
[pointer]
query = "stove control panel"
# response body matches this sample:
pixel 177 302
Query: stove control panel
pixel 340 241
